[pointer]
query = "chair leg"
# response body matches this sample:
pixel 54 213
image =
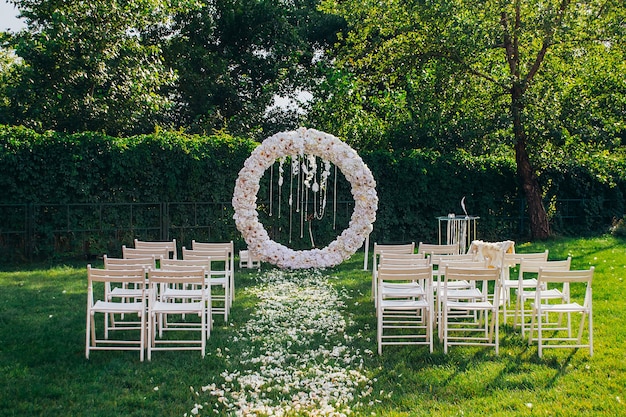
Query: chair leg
pixel 379 330
pixel 88 335
pixel 445 329
pixel 590 322
pixel 539 334
pixel 142 337
pixel 150 341
pixel 495 318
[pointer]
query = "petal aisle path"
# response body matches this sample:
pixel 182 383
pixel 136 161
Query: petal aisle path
pixel 295 361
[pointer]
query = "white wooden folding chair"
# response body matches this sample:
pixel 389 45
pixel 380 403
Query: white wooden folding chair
pixel 541 323
pixel 529 270
pixel 379 249
pixel 182 313
pixel 404 309
pixel 169 245
pixel 230 267
pixel 248 260
pixel 456 288
pixel 125 290
pixel 471 319
pixel 96 340
pixel 219 274
pixel 219 302
pixel 509 284
pixel 400 260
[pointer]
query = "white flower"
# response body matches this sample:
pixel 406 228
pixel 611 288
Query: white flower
pixel 296 144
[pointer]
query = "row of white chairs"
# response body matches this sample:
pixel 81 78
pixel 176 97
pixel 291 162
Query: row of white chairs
pixel 157 309
pixel 223 252
pixel 464 294
pixel 167 294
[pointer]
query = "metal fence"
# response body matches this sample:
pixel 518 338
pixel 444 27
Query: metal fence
pixel 84 230
pixel 31 232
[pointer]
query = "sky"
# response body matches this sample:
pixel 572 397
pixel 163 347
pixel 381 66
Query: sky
pixel 8 19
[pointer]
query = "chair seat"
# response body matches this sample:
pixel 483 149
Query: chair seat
pixel 404 290
pixel 475 305
pixel 526 283
pixel 465 294
pixel 562 308
pixel 173 308
pixel 106 307
pixel 403 304
pixel 545 295
pixel 453 285
pixel 179 293
pixel 125 292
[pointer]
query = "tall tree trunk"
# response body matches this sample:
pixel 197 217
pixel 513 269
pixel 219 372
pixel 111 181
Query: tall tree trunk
pixel 539 225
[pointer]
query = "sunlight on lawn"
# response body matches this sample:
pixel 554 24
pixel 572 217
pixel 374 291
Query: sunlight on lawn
pixel 295 359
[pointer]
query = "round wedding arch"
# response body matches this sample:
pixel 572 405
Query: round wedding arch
pixel 305 142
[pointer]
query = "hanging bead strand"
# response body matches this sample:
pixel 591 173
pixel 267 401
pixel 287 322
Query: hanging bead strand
pixel 335 201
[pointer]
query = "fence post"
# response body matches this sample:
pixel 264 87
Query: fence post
pixel 30 238
pixel 521 216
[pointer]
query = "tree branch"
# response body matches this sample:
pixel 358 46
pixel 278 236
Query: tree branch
pixel 547 42
pixel 508 44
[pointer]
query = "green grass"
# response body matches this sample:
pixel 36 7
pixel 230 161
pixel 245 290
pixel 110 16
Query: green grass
pixel 43 370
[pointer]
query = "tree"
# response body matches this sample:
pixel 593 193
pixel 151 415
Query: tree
pixel 87 66
pixel 501 47
pixel 233 57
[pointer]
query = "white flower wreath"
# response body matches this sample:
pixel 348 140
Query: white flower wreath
pixel 300 142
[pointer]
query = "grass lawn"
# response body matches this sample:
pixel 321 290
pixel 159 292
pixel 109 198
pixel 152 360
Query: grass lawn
pixel 43 370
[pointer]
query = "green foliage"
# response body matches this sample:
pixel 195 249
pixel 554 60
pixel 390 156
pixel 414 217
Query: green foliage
pixel 435 74
pixel 417 187
pixel 95 168
pixel 234 56
pixel 86 66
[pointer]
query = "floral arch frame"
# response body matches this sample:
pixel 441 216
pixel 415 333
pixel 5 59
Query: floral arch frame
pixel 326 146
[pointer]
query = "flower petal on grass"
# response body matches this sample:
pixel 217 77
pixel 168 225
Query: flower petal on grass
pixel 294 360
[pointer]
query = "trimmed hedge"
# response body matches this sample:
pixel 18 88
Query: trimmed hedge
pixel 92 167
pixel 167 174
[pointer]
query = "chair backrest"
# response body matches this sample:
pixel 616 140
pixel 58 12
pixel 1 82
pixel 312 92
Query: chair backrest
pixel 533 266
pixel 436 249
pixel 189 276
pixel 475 276
pixel 418 273
pixel 129 253
pixel 572 275
pixel 436 259
pixel 402 259
pixel 169 245
pixel 129 275
pixel 174 264
pixel 132 263
pixel 511 260
pixel 566 278
pixel 380 249
pixel 219 258
pixel 212 246
pixel 214 254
